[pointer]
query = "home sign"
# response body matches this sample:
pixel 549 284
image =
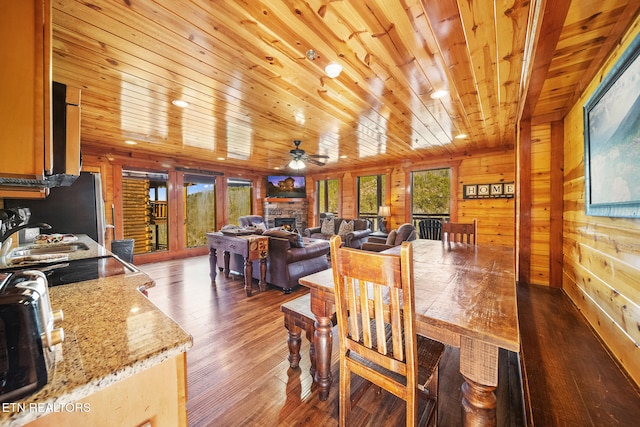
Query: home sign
pixel 487 191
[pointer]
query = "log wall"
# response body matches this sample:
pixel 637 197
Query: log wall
pixel 601 268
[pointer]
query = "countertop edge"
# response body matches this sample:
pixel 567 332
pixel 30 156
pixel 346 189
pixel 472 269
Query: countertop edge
pixel 21 418
pixel 56 394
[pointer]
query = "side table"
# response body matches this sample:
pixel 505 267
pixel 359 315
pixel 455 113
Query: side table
pixel 250 247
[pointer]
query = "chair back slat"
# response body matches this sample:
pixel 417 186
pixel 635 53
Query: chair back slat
pixel 430 229
pixel 371 300
pixel 457 232
pixel 375 313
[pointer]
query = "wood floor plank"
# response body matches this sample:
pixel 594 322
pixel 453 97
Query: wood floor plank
pixel 237 369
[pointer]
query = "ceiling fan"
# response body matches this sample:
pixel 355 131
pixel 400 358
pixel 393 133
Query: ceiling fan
pixel 299 157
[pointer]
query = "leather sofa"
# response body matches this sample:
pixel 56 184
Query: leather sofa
pixel 353 239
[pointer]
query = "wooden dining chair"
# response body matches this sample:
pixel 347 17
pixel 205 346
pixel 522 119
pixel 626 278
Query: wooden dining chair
pixel 375 314
pixel 458 232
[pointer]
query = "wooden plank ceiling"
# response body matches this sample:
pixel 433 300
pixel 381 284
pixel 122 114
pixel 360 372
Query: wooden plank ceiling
pixel 243 68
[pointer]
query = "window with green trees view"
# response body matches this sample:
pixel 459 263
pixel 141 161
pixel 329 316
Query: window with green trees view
pixel 328 196
pixel 430 193
pixel 238 199
pixel 200 208
pixel 371 195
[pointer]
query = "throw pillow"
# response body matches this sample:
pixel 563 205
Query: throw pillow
pixel 391 239
pixel 328 227
pixel 260 226
pixel 295 240
pixel 345 228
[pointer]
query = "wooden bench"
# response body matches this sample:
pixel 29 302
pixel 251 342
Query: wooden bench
pixel 569 376
pixel 298 317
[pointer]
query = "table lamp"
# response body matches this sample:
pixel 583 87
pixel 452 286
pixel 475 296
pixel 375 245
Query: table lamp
pixel 383 213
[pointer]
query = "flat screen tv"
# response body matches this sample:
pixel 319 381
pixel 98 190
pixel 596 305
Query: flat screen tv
pixel 286 186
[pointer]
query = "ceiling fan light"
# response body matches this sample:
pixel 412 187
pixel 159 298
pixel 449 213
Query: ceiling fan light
pixel 296 164
pixel 333 70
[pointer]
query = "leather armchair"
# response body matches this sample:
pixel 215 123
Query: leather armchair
pixel 286 264
pixel 353 239
pixel 406 232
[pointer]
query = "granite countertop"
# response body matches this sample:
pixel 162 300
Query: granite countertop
pixel 112 331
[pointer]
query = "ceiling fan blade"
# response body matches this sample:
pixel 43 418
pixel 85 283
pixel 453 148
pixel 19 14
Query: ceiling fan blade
pixel 315 162
pixel 317 156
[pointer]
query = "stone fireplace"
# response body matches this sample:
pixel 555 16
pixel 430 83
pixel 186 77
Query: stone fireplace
pixel 287 211
pixel 288 223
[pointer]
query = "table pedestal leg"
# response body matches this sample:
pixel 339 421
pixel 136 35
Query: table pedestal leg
pixel 213 264
pixel 323 338
pixel 263 274
pixel 478 404
pixel 248 275
pixel 479 368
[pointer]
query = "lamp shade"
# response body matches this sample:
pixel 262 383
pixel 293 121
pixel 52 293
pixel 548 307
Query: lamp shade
pixel 384 211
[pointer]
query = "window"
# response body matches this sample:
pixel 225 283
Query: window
pixel 199 208
pixel 371 195
pixel 430 194
pixel 145 210
pixel 239 198
pixel 327 196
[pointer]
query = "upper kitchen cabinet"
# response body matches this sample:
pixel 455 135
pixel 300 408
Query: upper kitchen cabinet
pixel 25 77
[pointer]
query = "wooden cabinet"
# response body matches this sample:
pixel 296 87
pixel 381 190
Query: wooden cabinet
pixel 156 395
pixel 25 84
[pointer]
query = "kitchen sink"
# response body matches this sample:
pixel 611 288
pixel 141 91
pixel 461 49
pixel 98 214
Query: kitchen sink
pixel 49 249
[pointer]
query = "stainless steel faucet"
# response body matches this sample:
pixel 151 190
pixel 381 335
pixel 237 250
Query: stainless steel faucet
pixel 14 230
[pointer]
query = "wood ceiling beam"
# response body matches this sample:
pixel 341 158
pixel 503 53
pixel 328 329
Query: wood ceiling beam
pixel 553 17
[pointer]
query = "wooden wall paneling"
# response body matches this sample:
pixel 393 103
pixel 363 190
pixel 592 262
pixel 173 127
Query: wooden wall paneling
pixel 524 200
pixel 540 202
pixel 177 224
pixel 556 204
pixel 580 285
pixel 349 208
pixel 495 216
pixel 601 259
pixel 222 214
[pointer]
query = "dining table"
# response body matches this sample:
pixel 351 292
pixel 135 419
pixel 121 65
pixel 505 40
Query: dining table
pixel 465 296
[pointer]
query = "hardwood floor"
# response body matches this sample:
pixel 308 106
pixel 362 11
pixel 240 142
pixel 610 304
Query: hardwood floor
pixel 237 369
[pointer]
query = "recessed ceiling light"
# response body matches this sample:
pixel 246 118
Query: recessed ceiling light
pixel 180 103
pixel 333 70
pixel 344 156
pixel 221 158
pixel 440 93
pixel 461 136
pixel 130 142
